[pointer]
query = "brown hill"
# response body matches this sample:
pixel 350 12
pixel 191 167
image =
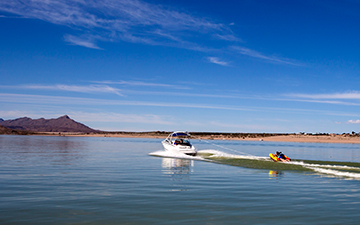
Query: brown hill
pixel 61 124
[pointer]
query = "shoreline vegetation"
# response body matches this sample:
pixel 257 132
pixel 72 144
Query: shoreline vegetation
pixel 346 138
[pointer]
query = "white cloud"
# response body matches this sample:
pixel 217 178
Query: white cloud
pixel 216 60
pixel 353 121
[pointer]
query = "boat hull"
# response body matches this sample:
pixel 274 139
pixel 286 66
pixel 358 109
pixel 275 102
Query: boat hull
pixel 188 150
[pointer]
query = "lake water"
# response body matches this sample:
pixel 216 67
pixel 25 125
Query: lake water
pixel 85 180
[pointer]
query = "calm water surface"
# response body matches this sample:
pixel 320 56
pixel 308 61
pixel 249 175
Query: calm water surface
pixel 84 180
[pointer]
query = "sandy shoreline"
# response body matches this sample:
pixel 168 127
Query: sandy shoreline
pixel 279 138
pixel 312 139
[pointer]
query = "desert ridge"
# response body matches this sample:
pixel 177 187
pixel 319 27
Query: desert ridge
pixel 61 124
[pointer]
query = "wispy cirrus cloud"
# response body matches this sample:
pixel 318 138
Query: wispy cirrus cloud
pixel 60 100
pixel 119 117
pixel 350 98
pixel 77 101
pixel 109 117
pixel 228 37
pixel 71 88
pixel 87 41
pixel 103 87
pixel 141 83
pixel 135 21
pixel 244 126
pixel 18 113
pixel 259 55
pixel 354 95
pixel 114 20
pixel 218 61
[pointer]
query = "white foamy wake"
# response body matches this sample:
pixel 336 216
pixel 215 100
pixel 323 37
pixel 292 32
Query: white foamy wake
pixel 341 167
pixel 204 155
pixel 220 154
pixel 321 169
pixel 331 170
pixel 337 173
pixel 177 155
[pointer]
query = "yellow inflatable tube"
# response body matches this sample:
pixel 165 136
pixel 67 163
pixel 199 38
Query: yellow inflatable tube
pixel 276 159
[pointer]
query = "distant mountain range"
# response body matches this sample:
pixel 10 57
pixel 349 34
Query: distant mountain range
pixel 61 124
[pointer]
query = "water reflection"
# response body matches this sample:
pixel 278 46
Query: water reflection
pixel 273 174
pixel 176 166
pixel 35 150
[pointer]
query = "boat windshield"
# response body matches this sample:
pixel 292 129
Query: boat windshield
pixel 180 135
pixel 179 138
pixel 181 141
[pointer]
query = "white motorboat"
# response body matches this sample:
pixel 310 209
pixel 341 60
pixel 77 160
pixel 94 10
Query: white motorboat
pixel 179 142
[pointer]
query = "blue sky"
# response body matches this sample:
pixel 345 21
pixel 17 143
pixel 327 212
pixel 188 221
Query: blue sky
pixel 234 66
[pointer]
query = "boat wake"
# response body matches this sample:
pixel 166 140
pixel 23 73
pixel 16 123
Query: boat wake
pixel 342 170
pixel 175 155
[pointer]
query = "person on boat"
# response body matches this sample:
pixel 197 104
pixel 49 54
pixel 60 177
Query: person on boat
pixel 178 141
pixel 282 157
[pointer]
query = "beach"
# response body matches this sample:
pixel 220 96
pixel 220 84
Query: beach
pixel 312 139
